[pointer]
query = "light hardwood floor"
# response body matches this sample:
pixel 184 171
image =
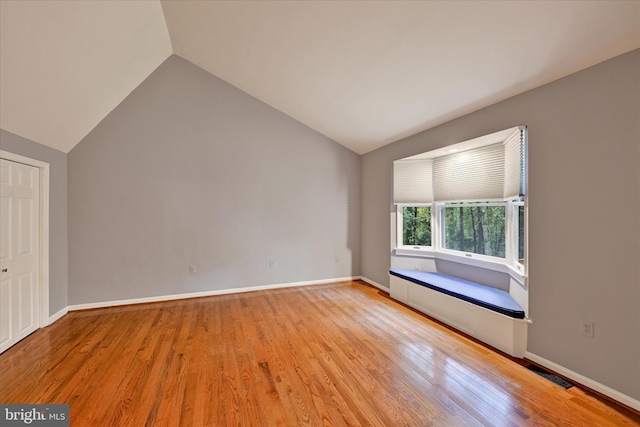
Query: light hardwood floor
pixel 333 355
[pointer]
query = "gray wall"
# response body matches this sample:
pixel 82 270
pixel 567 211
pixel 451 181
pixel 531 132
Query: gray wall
pixel 189 170
pixel 584 234
pixel 58 254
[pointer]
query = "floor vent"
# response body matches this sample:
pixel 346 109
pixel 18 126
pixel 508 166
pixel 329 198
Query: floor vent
pixel 551 377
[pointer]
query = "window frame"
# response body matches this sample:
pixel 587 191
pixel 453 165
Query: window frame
pixel 441 229
pixel 514 238
pixel 509 264
pixel 400 227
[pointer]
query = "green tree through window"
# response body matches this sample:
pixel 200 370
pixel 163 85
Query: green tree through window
pixel 475 229
pixel 416 225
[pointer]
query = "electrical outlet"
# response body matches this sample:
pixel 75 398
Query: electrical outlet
pixel 337 258
pixel 193 269
pixel 272 264
pixel 587 329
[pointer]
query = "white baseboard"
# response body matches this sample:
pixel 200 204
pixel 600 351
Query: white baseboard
pixel 57 316
pixel 588 382
pixel 372 283
pixel 170 297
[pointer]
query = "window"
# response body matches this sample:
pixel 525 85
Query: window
pixel 416 225
pixel 476 228
pixel 521 232
pixel 465 203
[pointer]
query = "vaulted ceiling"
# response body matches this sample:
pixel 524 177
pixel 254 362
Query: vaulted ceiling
pixel 364 73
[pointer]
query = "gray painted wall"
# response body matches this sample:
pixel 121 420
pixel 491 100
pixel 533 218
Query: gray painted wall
pixel 584 194
pixel 58 254
pixel 189 170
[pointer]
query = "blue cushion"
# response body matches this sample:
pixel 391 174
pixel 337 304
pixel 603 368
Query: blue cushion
pixel 475 293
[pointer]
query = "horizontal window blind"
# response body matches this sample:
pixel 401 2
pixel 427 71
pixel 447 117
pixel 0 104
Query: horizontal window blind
pixel 514 176
pixel 476 174
pixel 413 181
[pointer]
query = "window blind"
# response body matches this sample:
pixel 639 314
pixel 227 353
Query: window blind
pixel 472 175
pixel 413 181
pixel 514 174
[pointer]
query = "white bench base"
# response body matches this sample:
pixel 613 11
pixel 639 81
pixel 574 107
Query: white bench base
pixel 502 332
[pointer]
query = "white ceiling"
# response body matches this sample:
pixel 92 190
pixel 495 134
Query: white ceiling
pixel 364 73
pixel 65 65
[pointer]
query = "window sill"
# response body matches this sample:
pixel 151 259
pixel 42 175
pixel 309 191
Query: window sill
pixel 424 252
pixel 429 253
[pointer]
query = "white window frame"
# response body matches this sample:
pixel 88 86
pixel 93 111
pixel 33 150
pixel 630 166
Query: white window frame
pixel 512 229
pixel 400 229
pixel 441 226
pixel 509 264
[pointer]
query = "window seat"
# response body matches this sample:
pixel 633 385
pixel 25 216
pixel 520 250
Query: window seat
pixel 485 296
pixel 488 314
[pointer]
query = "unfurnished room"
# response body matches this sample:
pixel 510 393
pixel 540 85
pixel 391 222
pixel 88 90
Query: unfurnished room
pixel 319 213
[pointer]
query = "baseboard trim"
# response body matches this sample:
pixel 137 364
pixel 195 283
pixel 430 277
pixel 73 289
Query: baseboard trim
pixel 55 317
pixel 372 283
pixel 170 297
pixel 585 381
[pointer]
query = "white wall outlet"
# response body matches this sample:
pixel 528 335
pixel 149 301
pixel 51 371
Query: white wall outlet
pixel 587 329
pixel 272 264
pixel 193 269
pixel 337 258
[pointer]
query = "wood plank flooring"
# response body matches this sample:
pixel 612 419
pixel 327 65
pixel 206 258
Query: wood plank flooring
pixel 327 355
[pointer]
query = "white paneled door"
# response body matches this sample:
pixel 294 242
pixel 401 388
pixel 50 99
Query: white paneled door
pixel 19 252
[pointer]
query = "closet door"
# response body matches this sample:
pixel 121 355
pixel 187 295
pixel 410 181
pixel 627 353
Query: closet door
pixel 19 252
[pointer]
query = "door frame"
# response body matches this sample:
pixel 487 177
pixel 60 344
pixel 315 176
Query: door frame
pixel 43 243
